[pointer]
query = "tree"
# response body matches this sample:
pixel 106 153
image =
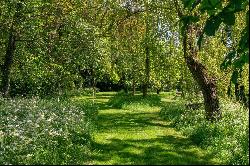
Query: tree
pixel 220 12
pixel 207 83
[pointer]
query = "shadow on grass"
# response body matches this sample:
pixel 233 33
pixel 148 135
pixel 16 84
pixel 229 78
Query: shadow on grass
pixel 150 151
pixel 107 122
pixel 120 99
pixel 123 148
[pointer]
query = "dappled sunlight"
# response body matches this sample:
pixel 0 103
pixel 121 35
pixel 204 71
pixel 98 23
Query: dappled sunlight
pixel 136 134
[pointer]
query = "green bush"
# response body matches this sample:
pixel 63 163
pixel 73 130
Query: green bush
pixel 123 100
pixel 36 131
pixel 227 139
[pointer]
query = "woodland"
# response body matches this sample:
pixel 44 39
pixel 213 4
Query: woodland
pixel 134 82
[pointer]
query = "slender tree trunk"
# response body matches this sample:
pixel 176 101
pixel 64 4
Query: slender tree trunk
pixel 236 91
pixel 206 83
pixel 133 86
pixel 147 72
pixel 10 50
pixel 93 82
pixel 6 68
pixel 158 90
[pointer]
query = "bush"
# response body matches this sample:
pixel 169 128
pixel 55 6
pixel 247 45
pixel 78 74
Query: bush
pixel 122 100
pixel 227 139
pixel 36 131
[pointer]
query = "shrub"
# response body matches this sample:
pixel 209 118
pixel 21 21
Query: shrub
pixel 123 100
pixel 36 131
pixel 227 139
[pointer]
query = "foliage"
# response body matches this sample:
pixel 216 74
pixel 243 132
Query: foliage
pixel 122 100
pixel 228 139
pixel 36 131
pixel 219 13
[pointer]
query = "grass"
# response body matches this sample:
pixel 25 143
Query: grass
pixel 129 130
pixel 126 129
pixel 227 139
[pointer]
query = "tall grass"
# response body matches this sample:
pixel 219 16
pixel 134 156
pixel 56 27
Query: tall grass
pixel 227 139
pixel 38 131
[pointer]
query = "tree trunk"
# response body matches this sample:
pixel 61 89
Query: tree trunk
pixel 9 56
pixel 236 91
pixel 93 82
pixel 147 72
pixel 158 90
pixel 133 86
pixel 208 88
pixel 206 83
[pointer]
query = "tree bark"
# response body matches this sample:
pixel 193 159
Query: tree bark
pixel 206 82
pixel 133 86
pixel 147 72
pixel 158 90
pixel 208 87
pixel 10 50
pixel 6 68
pixel 236 91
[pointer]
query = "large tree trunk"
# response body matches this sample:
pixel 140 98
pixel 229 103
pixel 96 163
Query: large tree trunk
pixel 206 83
pixel 208 86
pixel 199 72
pixel 9 56
pixel 147 72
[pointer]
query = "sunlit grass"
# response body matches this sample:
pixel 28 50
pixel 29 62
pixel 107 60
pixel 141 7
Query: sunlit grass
pixel 126 129
pixel 132 132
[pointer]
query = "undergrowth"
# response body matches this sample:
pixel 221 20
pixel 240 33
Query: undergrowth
pixel 227 139
pixel 123 101
pixel 38 131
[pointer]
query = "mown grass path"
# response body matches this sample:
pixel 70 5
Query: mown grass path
pixel 138 135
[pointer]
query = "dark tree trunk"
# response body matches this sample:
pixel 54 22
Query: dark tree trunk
pixel 242 95
pixel 236 91
pixel 147 72
pixel 10 50
pixel 206 83
pixel 9 56
pixel 133 86
pixel 158 91
pixel 93 80
pixel 208 88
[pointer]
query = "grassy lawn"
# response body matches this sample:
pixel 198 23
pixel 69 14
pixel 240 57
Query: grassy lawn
pixel 133 132
pixel 114 128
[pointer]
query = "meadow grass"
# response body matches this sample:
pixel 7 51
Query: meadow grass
pixel 38 131
pixel 129 130
pixel 118 128
pixel 227 139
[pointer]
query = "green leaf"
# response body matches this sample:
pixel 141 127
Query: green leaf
pixel 241 61
pixel 188 3
pixel 237 5
pixel 197 2
pixel 228 18
pixel 244 41
pixel 234 77
pixel 228 60
pixel 189 19
pixel 212 25
pixel 210 5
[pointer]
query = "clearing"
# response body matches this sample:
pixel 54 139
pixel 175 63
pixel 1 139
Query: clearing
pixel 136 134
